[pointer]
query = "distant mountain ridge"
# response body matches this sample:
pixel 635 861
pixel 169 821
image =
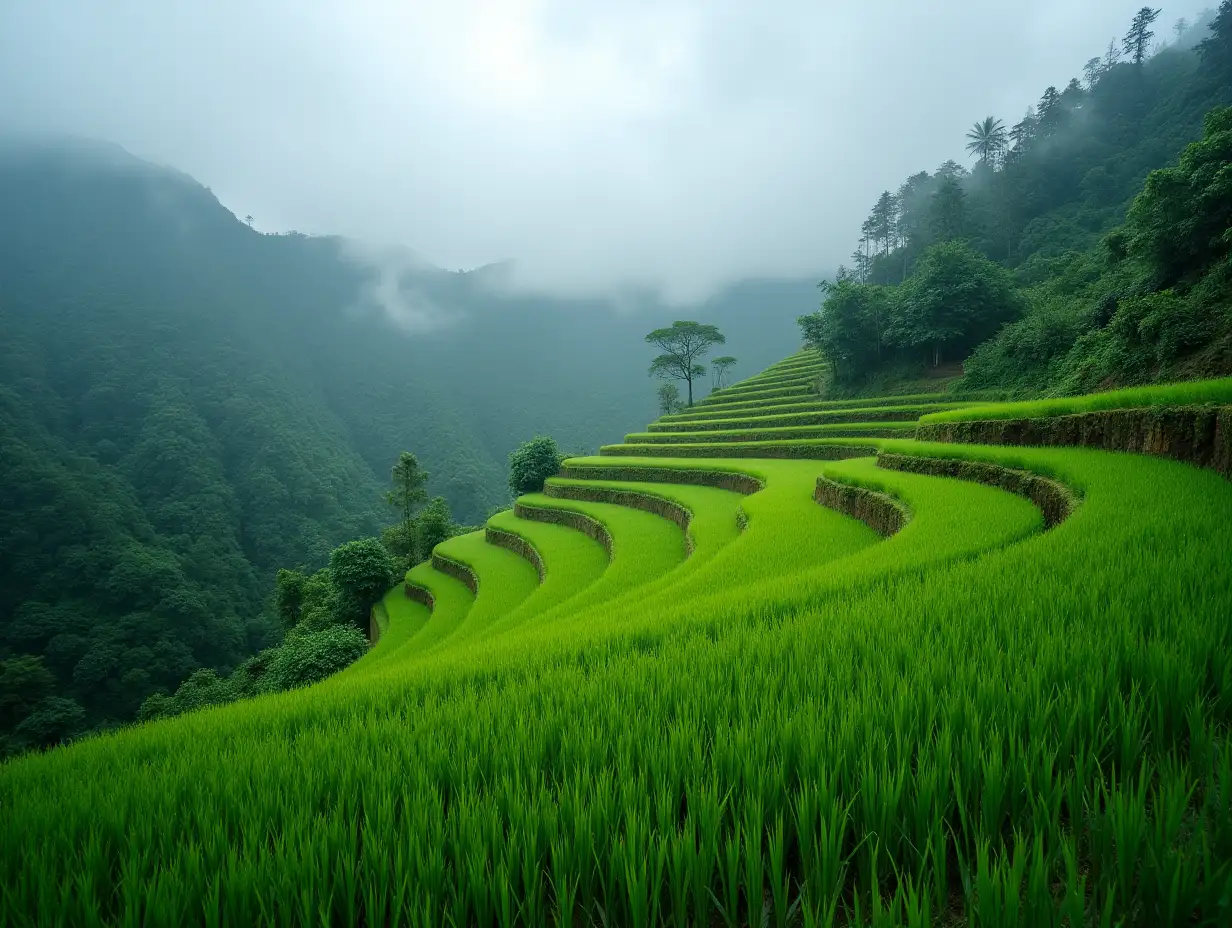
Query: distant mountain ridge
pixel 187 404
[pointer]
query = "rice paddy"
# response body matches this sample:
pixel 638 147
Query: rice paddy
pixel 1176 394
pixel 674 689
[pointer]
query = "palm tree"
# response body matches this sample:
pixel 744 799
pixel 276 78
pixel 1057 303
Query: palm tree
pixel 987 140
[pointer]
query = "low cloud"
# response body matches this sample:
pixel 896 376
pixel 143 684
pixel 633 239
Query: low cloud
pixel 390 287
pixel 676 144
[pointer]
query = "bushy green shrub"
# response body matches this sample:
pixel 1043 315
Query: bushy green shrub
pixel 361 572
pixel 307 658
pixel 532 464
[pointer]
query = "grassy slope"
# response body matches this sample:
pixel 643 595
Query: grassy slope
pixel 1176 394
pixel 972 716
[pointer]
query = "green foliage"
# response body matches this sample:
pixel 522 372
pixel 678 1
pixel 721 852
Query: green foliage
pixel 669 399
pixel 849 330
pixel 408 492
pixel 719 368
pixel 533 463
pixel 1095 322
pixel 683 344
pixel 307 658
pixel 1103 305
pixel 361 572
pixel 289 596
pixel 956 299
pixel 1181 223
pixel 1216 49
pixel 1179 394
pixel 434 525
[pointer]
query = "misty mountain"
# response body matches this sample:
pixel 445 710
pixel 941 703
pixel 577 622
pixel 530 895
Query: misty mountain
pixel 187 405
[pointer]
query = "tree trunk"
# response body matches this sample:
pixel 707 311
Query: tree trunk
pixel 689 381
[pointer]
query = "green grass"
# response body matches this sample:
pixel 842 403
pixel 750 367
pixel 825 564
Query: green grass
pixel 724 411
pixel 1177 394
pixel 572 562
pixel 770 434
pixel 796 447
pixel 748 420
pixel 644 546
pixel 724 396
pixel 505 580
pixel 973 721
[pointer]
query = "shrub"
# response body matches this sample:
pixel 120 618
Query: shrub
pixel 533 463
pixel 307 658
pixel 362 571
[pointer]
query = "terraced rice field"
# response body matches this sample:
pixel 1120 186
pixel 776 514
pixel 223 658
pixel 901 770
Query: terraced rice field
pixel 839 676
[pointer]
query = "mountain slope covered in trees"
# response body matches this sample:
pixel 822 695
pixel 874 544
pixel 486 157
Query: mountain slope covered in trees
pixel 188 405
pixel 1014 267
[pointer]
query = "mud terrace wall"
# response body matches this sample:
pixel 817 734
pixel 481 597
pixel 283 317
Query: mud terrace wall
pixel 1054 499
pixel 648 502
pixel 1199 435
pixel 518 545
pixel 723 480
pixel 420 594
pixel 737 450
pixel 457 571
pixel 592 528
pixel 879 511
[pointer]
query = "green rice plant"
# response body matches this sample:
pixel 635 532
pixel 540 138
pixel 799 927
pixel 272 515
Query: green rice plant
pixel 1196 392
pixel 572 561
pixel 816 448
pixel 976 719
pixel 839 429
pixel 401 618
pixel 451 603
pixel 763 393
pixel 643 546
pixel 505 579
pixel 754 420
pixel 725 410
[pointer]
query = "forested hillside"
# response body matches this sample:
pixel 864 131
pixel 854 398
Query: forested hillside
pixel 188 405
pixel 1032 268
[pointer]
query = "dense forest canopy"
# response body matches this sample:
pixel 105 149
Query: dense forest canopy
pixel 188 406
pixel 1014 266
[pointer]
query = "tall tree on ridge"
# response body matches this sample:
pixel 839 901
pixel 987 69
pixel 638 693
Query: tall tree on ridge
pixel 719 368
pixel 409 480
pixel 1093 70
pixel 1048 118
pixel 1216 49
pixel 987 140
pixel 684 344
pixel 1112 55
pixel 1137 41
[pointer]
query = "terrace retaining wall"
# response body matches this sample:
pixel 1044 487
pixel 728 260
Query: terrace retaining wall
pixel 592 528
pixel 879 511
pixel 518 545
pixel 834 417
pixel 805 452
pixel 647 502
pixel 1198 435
pixel 456 570
pixel 719 479
pixel 419 593
pixel 787 434
pixel 1054 499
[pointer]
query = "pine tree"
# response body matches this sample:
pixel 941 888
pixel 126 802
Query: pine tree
pixel 1137 40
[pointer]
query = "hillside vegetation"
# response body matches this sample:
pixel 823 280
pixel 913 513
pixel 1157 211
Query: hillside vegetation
pixel 188 405
pixel 1088 247
pixel 815 680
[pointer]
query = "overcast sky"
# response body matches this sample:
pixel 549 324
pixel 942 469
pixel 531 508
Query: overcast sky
pixel 664 142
